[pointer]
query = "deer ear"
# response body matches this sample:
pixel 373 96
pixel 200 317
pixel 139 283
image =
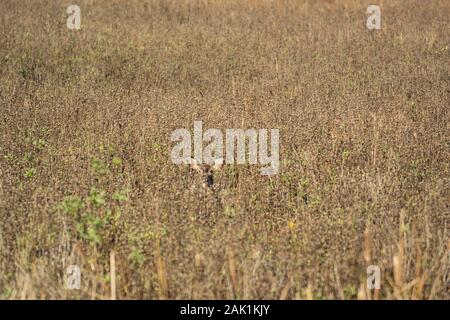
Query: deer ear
pixel 218 164
pixel 194 165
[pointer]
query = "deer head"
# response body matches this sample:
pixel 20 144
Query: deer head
pixel 204 172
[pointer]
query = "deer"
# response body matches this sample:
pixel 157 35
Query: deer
pixel 203 175
pixel 204 191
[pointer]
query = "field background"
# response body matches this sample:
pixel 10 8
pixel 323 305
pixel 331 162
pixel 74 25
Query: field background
pixel 85 170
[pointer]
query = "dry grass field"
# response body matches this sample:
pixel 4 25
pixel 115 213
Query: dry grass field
pixel 86 177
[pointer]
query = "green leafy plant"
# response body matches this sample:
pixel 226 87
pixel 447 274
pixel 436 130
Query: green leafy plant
pixel 71 205
pixel 121 195
pixel 137 257
pixel 90 228
pixel 96 197
pixel 39 143
pixel 30 173
pixel 98 166
pixel 116 162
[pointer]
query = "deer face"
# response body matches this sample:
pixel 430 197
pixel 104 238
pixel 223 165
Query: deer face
pixel 204 172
